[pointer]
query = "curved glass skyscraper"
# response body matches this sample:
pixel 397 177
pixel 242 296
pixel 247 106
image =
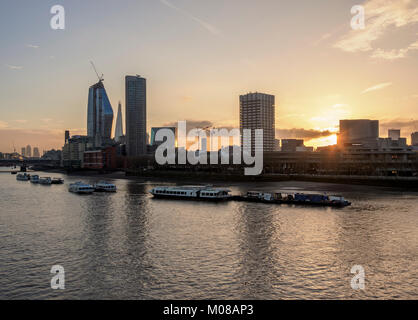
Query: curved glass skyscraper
pixel 99 115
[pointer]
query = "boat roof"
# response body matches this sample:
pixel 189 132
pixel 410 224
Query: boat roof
pixel 193 188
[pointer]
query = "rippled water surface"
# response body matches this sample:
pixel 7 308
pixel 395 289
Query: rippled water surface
pixel 129 246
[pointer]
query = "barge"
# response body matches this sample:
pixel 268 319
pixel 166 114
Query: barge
pixel 220 194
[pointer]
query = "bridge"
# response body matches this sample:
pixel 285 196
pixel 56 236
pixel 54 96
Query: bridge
pixel 23 164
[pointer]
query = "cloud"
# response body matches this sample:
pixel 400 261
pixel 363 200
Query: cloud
pixel 400 123
pixel 21 121
pixel 46 120
pixel 32 46
pixel 307 134
pixel 12 67
pixel 3 124
pixel 377 87
pixel 381 15
pixel 212 29
pixel 394 53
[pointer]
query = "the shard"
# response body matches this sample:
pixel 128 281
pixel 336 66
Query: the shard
pixel 119 124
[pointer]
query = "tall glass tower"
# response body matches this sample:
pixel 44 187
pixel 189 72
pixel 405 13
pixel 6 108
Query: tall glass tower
pixel 99 115
pixel 136 115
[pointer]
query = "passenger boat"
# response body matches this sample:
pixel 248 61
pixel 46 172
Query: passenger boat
pixel 298 198
pixel 192 193
pixel 57 181
pixel 104 186
pixel 23 177
pixel 34 178
pixel 81 188
pixel 45 181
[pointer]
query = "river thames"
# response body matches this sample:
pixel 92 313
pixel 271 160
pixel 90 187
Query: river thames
pixel 127 245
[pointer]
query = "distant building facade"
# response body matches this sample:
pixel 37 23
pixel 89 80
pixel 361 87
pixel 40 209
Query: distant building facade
pixel 394 134
pixel 36 153
pixel 291 145
pixel 257 111
pixel 414 139
pixel 28 151
pixel 99 115
pixel 358 132
pixel 23 152
pixel 136 115
pixel 73 151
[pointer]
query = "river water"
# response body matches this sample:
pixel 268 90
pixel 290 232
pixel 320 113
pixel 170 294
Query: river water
pixel 129 246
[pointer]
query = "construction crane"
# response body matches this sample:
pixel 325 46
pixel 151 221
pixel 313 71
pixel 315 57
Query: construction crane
pixel 95 70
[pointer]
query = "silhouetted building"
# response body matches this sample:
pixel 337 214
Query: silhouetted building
pixel 257 111
pixel 414 139
pixel 394 134
pixel 290 145
pixel 67 135
pixel 99 115
pixel 28 151
pixel 73 151
pixel 358 132
pixel 36 153
pixel 136 115
pixel 23 152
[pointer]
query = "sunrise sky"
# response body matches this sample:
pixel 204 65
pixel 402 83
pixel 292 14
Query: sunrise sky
pixel 199 55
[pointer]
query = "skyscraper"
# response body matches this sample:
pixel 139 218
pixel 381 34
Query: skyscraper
pixel 23 153
pixel 257 111
pixel 119 124
pixel 99 115
pixel 136 115
pixel 36 152
pixel 28 151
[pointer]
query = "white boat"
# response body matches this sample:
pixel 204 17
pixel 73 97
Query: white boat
pixel 81 188
pixel 23 177
pixel 34 178
pixel 192 192
pixel 104 186
pixel 45 180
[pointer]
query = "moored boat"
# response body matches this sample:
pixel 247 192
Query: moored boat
pixel 191 193
pixel 34 178
pixel 297 198
pixel 104 186
pixel 57 181
pixel 45 181
pixel 81 188
pixel 23 177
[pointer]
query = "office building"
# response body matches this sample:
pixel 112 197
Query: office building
pixel 362 132
pixel 291 145
pixel 119 125
pixel 28 151
pixel 414 139
pixel 136 115
pixel 257 111
pixel 36 153
pixel 99 115
pixel 394 134
pixel 23 152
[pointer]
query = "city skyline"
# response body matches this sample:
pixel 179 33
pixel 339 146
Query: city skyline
pixel 319 69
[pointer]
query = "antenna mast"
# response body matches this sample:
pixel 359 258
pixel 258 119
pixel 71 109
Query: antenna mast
pixel 95 70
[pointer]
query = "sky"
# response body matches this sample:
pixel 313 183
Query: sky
pixel 198 56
